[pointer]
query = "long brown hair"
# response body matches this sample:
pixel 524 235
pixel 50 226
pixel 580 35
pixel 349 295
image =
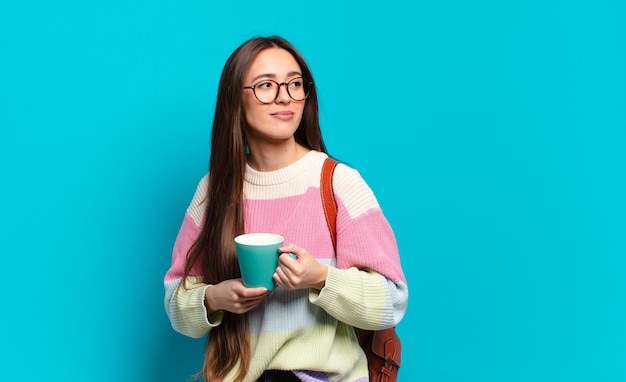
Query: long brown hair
pixel 228 344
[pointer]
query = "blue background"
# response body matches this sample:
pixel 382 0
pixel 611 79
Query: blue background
pixel 493 134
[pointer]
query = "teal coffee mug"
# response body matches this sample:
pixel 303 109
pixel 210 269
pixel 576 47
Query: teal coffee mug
pixel 258 258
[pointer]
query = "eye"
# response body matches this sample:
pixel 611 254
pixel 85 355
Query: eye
pixel 296 83
pixel 265 85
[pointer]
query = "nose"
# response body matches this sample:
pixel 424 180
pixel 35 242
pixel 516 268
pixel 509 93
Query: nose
pixel 283 95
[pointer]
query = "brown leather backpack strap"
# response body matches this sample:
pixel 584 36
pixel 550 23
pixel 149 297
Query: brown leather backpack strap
pixel 383 347
pixel 328 197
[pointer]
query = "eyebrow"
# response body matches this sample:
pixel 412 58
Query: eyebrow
pixel 273 75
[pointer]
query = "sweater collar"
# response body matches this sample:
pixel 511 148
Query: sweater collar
pixel 285 174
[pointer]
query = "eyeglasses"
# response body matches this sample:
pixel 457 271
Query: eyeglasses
pixel 266 91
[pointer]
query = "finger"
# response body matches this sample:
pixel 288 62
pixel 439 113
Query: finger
pixel 281 278
pixel 292 248
pixel 249 303
pixel 243 308
pixel 287 260
pixel 242 290
pixel 253 292
pixel 253 298
pixel 279 275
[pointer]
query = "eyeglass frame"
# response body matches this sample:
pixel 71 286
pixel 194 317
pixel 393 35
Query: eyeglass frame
pixel 286 83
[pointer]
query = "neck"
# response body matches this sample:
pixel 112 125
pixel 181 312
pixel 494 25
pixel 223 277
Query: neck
pixel 275 157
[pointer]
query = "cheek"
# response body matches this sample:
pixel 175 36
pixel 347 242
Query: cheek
pixel 251 115
pixel 248 111
pixel 301 111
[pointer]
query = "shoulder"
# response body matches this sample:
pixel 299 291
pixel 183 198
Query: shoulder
pixel 198 203
pixel 353 191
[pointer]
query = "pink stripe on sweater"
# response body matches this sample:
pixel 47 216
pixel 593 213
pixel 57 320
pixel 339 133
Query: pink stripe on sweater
pixel 367 241
pixel 187 235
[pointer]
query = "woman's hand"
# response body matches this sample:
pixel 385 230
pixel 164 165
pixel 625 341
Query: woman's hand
pixel 233 296
pixel 300 273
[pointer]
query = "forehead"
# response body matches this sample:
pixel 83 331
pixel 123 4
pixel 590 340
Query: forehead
pixel 273 62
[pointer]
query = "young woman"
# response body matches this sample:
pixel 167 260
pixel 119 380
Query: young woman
pixel 264 176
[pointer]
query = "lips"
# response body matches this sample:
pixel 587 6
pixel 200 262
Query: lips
pixel 283 115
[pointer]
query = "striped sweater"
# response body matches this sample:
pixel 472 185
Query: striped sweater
pixel 307 331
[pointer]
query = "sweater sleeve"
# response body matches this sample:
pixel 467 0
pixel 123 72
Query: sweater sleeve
pixel 184 302
pixel 367 289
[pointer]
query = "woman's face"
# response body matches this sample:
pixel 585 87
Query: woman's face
pixel 276 121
